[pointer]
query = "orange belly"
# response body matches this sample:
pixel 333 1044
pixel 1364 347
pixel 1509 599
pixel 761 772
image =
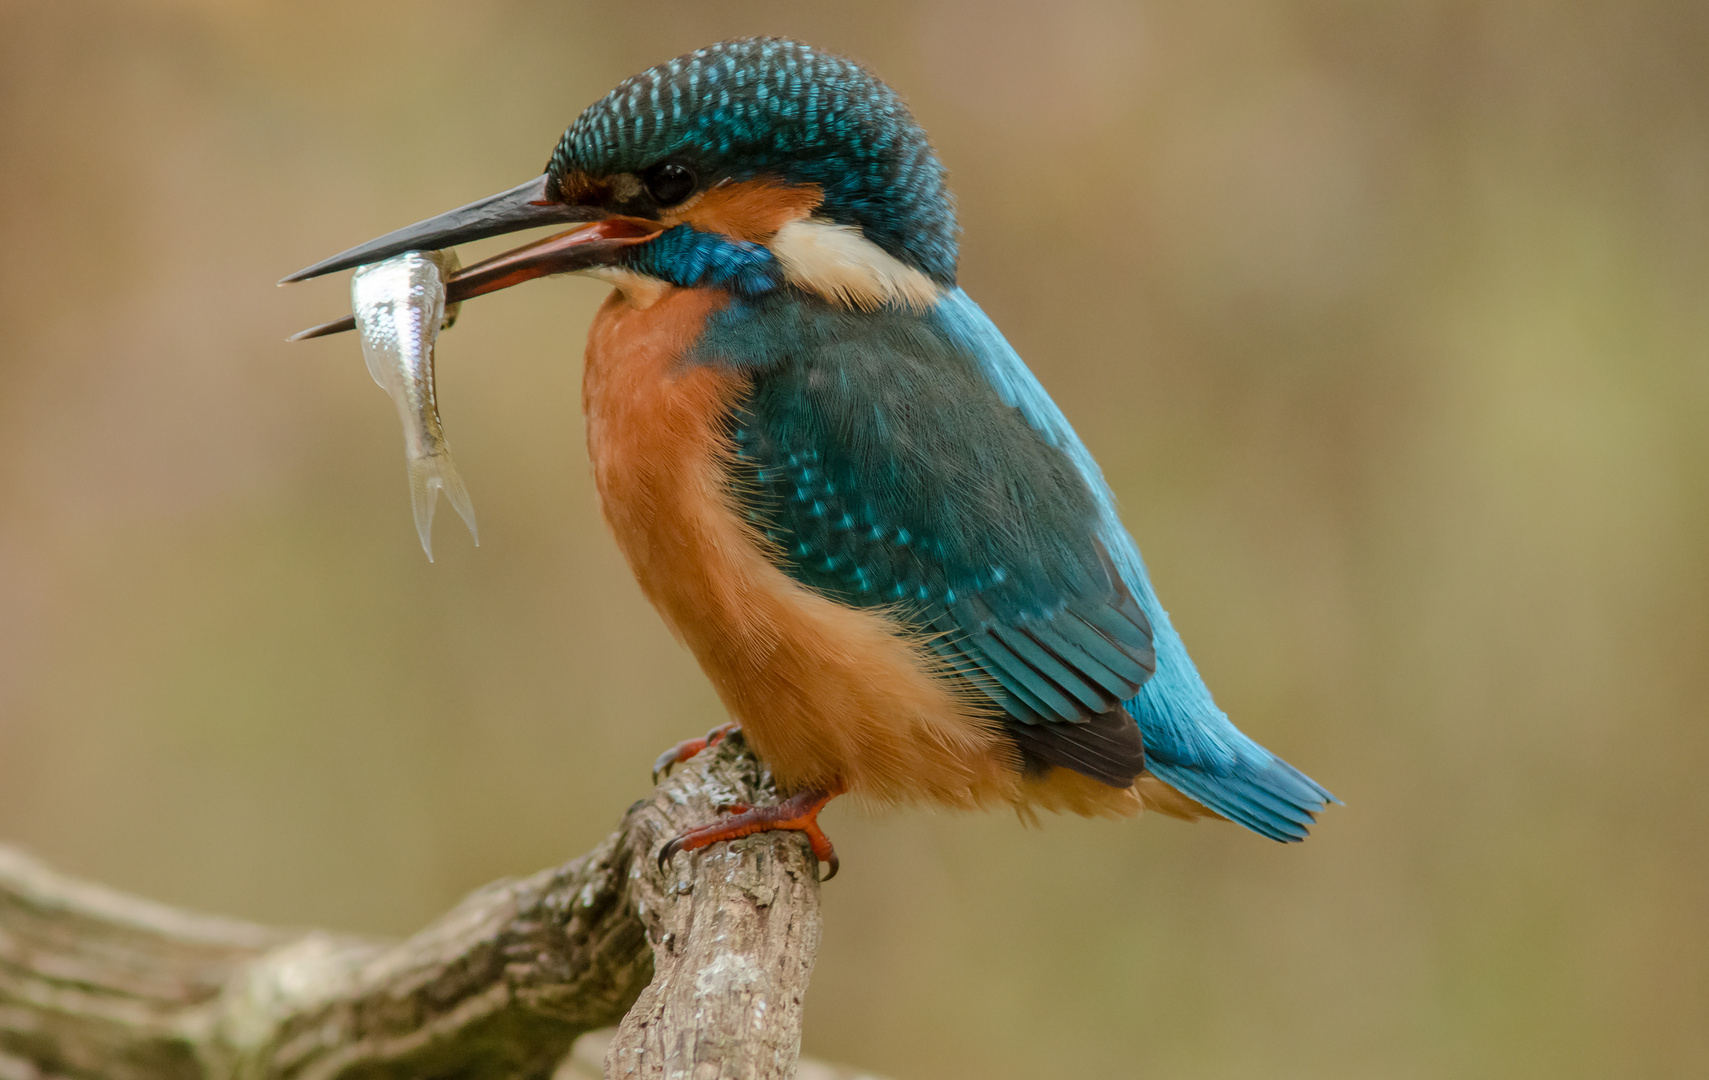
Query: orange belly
pixel 830 696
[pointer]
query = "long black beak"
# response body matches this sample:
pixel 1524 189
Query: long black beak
pixel 525 206
pixel 522 207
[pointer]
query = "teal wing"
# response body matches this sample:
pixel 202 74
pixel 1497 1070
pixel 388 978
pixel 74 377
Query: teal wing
pixel 889 473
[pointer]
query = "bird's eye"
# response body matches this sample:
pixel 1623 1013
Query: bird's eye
pixel 669 183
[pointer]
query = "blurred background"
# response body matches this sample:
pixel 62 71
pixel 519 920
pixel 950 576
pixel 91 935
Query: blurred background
pixel 1389 324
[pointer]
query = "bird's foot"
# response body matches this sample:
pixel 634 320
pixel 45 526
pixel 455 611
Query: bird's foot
pixel 686 749
pixel 799 813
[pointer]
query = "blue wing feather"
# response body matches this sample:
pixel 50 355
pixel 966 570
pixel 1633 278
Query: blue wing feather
pixel 1190 744
pixel 875 455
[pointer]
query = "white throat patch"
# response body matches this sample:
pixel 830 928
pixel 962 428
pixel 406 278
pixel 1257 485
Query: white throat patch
pixel 844 267
pixel 640 290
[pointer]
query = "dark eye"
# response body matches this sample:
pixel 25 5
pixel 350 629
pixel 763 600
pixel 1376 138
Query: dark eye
pixel 669 183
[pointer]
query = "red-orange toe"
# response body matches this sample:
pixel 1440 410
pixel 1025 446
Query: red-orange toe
pixel 798 813
pixel 686 749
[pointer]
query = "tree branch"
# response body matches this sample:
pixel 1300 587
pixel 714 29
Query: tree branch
pixel 718 952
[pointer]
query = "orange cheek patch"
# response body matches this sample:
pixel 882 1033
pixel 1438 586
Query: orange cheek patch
pixel 752 210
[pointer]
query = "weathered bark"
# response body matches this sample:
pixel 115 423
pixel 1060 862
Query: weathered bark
pixel 734 949
pixel 718 949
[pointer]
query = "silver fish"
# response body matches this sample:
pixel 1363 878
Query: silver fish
pixel 400 308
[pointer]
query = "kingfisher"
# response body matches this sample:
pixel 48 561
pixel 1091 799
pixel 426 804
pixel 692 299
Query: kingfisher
pixel 834 477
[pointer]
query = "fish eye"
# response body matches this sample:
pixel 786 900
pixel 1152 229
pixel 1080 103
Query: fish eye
pixel 669 182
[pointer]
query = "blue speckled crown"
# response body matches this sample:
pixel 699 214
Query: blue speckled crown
pixel 766 107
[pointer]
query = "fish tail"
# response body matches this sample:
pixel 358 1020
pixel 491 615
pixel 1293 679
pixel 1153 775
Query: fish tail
pixel 429 475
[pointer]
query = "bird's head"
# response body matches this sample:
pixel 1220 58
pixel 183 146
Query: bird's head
pixel 748 165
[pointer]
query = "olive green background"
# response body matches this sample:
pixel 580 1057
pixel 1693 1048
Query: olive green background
pixel 1388 322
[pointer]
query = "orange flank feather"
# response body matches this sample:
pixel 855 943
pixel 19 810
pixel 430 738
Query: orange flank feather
pixel 832 697
pixel 751 210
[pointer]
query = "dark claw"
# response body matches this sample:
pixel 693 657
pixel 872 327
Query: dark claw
pixel 662 766
pixel 834 864
pixel 672 846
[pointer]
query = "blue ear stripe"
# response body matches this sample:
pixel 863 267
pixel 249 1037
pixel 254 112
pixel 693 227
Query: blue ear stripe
pixel 685 256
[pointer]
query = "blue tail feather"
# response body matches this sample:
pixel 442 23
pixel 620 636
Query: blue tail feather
pixel 1277 801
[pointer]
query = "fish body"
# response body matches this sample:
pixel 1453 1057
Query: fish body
pixel 400 307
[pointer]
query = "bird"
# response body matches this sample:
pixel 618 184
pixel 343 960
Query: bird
pixel 835 478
